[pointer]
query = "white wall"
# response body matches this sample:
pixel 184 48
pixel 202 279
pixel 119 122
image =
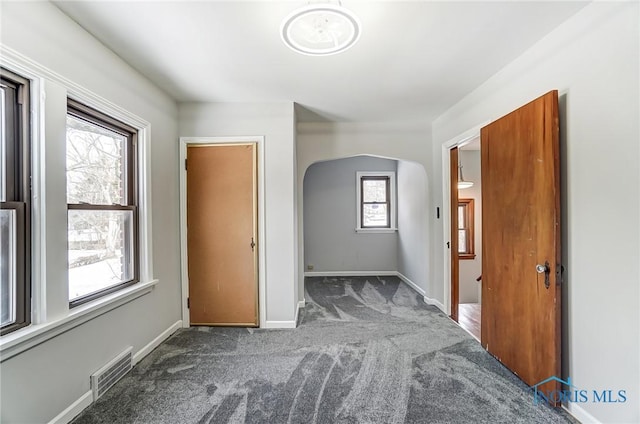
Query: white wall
pixel 330 210
pixel 326 141
pixel 592 60
pixel 39 383
pixel 275 122
pixel 470 269
pixel 413 241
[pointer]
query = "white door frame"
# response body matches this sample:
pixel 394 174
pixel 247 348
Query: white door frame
pixel 184 143
pixel 457 141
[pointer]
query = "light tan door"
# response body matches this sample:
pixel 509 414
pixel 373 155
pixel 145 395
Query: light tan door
pixel 221 234
pixel 521 278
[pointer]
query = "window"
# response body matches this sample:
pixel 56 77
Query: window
pixel 102 204
pixel 465 229
pixel 15 207
pixel 107 224
pixel 376 201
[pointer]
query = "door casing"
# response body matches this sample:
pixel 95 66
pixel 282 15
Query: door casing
pixel 259 142
pixel 457 141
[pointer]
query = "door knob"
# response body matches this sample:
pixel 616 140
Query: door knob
pixel 542 268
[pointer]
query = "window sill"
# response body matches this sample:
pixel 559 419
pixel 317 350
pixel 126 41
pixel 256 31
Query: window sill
pixel 24 339
pixel 376 230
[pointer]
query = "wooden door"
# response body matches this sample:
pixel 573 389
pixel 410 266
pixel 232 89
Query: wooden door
pixel 221 234
pixel 455 259
pixel 521 231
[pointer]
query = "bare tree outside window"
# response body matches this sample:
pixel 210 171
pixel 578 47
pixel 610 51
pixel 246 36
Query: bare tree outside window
pixel 95 164
pixel 102 206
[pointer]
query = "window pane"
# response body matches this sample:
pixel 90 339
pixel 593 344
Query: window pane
pixel 461 214
pixel 100 250
pixel 462 241
pixel 374 216
pixel 8 240
pixel 96 164
pixel 374 190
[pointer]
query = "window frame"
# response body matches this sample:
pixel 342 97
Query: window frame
pixel 467 225
pixel 86 113
pixel 50 312
pixel 391 202
pixel 18 190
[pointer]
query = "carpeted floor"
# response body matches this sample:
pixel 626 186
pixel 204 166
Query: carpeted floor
pixel 366 350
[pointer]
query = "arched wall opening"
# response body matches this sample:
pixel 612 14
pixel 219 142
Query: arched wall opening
pixel 329 243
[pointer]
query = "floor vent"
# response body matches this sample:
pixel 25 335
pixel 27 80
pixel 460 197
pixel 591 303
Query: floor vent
pixel 103 379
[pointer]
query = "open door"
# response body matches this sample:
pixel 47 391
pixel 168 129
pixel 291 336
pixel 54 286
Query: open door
pixel 455 263
pixel 521 271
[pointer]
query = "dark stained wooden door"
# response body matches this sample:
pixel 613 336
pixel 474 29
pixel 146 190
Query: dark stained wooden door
pixel 221 234
pixel 455 263
pixel 521 236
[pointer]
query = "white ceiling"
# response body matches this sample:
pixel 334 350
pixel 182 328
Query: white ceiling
pixel 415 59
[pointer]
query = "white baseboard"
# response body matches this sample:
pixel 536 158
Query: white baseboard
pixel 411 284
pixel 434 302
pixel 421 292
pixel 156 342
pixel 580 414
pixel 86 399
pixel 286 324
pixel 295 318
pixel 74 409
pixel 279 324
pixel 349 273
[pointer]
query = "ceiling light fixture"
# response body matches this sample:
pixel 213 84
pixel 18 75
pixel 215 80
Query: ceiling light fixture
pixel 461 182
pixel 320 29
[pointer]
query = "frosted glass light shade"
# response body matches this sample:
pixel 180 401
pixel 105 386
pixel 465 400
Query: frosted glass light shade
pixel 461 182
pixel 464 184
pixel 320 29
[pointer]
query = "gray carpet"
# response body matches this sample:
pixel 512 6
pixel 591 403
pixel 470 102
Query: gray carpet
pixel 366 350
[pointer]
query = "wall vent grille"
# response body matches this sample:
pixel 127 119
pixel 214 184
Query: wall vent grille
pixel 103 379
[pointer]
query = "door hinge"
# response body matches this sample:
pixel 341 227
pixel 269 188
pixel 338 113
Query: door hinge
pixel 448 245
pixel 188 304
pixel 185 164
